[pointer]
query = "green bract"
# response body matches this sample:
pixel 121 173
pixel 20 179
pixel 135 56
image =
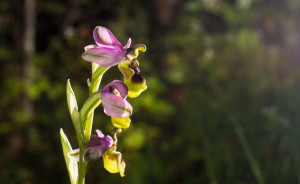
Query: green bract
pixel 71 164
pixel 73 108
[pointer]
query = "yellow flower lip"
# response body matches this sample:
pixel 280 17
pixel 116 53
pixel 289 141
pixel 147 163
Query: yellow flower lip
pixel 134 66
pixel 113 161
pixel 133 77
pixel 121 122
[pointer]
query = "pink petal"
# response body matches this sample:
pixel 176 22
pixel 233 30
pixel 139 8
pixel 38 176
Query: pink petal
pixel 128 44
pixel 119 85
pixel 103 56
pixel 99 133
pixel 104 37
pixel 115 106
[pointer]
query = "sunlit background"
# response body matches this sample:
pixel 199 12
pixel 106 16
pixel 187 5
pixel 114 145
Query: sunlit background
pixel 222 104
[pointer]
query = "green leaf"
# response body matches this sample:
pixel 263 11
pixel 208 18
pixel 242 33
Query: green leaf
pixel 73 108
pixel 71 164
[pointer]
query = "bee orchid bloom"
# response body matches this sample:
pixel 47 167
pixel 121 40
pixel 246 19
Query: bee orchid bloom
pixel 108 51
pixel 97 146
pixel 114 101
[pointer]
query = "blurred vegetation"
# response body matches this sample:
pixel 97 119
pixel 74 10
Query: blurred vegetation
pixel 222 104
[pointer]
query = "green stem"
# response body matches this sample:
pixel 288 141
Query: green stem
pixel 89 165
pixel 82 166
pixel 96 78
pixel 97 73
pixel 88 127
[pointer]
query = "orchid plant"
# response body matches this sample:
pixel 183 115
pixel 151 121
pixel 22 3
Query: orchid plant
pixel 106 53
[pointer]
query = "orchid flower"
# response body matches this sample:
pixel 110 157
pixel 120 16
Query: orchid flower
pixel 108 52
pixel 97 146
pixel 114 100
pixel 113 97
pixel 105 146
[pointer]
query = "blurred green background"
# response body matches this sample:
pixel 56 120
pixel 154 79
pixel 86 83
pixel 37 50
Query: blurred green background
pixel 222 104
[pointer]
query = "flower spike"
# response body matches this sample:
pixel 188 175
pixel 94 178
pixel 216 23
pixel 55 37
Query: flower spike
pixel 106 52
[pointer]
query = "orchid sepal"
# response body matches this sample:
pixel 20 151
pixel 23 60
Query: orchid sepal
pixel 114 100
pixel 128 44
pixel 104 38
pixel 106 57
